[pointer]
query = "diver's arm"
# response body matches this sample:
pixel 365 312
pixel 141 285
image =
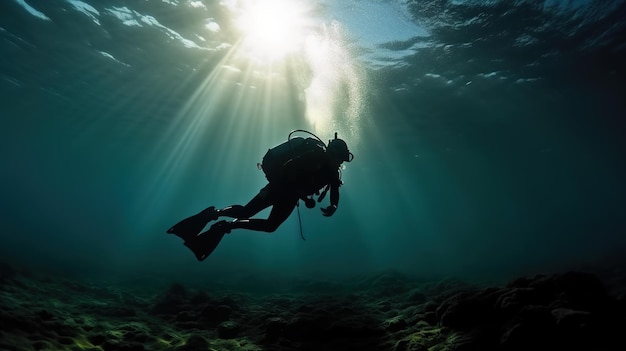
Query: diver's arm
pixel 334 195
pixel 334 199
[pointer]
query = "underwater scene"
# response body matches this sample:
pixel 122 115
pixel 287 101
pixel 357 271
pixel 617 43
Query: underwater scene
pixel 224 175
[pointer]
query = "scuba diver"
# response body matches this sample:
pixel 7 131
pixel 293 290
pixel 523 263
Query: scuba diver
pixel 296 169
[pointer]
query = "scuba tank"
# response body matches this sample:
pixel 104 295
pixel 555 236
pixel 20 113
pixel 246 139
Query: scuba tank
pixel 279 162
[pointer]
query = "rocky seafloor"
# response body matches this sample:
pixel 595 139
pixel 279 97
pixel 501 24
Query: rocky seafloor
pixel 572 310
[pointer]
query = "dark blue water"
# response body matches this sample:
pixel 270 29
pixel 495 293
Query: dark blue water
pixel 488 135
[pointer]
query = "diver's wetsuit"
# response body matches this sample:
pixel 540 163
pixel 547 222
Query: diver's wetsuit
pixel 283 196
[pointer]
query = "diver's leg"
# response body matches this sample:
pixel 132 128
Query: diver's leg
pixel 280 212
pixel 261 201
pixel 189 227
pixel 204 244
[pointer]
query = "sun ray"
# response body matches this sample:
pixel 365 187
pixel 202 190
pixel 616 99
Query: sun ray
pixel 272 29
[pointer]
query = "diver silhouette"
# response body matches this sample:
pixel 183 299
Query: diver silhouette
pixel 296 169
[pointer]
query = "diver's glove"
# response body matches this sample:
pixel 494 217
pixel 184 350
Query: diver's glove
pixel 309 203
pixel 328 211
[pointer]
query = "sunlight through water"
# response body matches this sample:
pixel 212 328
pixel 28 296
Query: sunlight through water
pixel 335 95
pixel 272 29
pixel 285 40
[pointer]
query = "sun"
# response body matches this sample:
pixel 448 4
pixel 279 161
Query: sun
pixel 272 29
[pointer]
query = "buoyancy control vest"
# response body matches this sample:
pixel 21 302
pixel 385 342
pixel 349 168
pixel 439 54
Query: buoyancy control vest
pixel 293 158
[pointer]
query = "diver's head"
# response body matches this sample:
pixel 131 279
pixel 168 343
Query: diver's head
pixel 338 150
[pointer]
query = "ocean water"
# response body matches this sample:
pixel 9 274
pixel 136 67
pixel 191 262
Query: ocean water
pixel 484 208
pixel 488 135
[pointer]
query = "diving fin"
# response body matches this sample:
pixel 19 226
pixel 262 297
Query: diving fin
pixel 188 228
pixel 204 244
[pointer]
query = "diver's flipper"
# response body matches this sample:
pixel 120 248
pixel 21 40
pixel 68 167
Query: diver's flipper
pixel 204 244
pixel 188 228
